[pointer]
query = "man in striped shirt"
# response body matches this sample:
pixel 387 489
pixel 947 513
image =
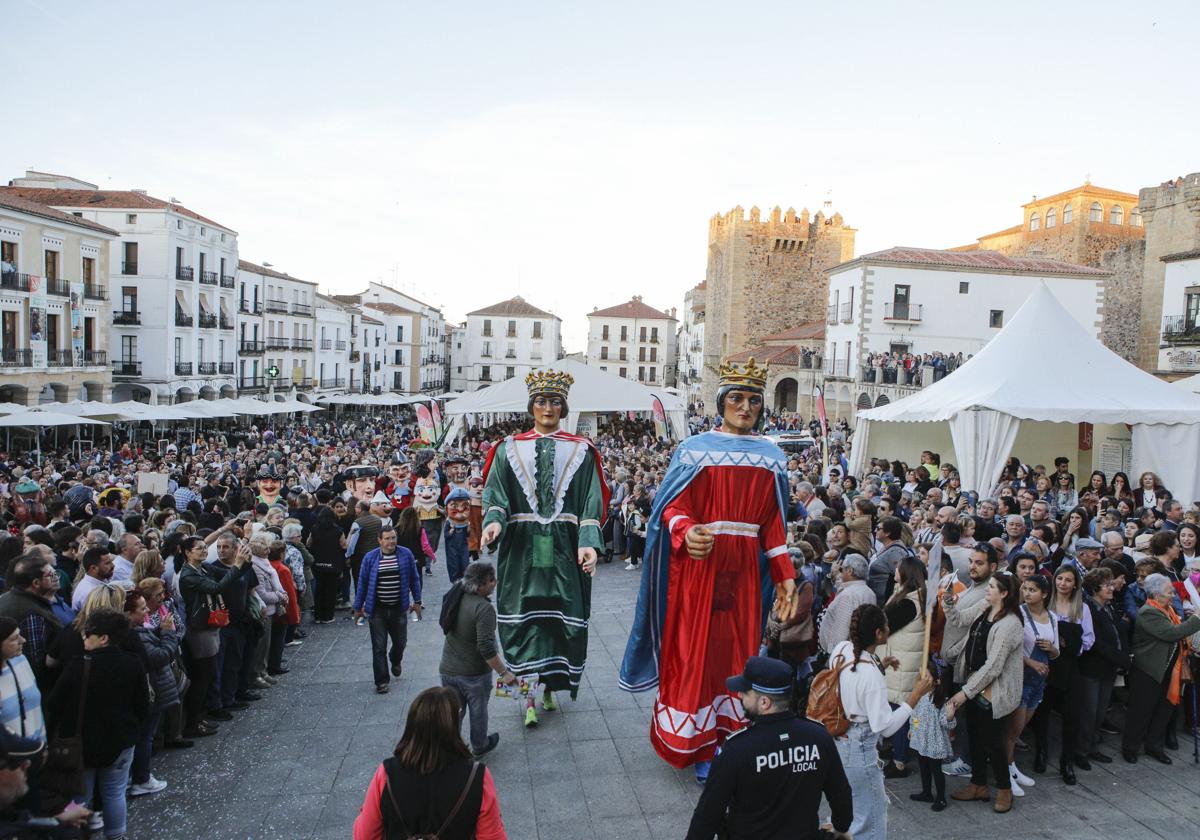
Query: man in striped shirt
pixel 386 582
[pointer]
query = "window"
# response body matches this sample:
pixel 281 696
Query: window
pixel 1135 217
pixel 178 259
pixel 996 319
pixel 1116 216
pixel 652 374
pixel 52 265
pixel 603 352
pixel 624 333
pixel 399 356
pixel 1035 221
pixel 654 334
pixel 537 329
pixel 641 354
pixel 131 218
pixel 654 354
pixel 1051 218
pixel 486 350
pixel 1067 214
pixel 485 373
pixel 178 349
pixel 512 329
pixel 964 287
pixel 129 298
pixel 622 354
pixel 1096 212
pixel 604 333
pixel 642 334
pixel 129 348
pixel 487 328
pixel 624 372
pixel 900 298
pixel 510 372
pixel 89 271
pixel 203 231
pixel 179 224
pixel 641 374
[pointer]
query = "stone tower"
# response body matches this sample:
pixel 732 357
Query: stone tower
pixel 1172 217
pixel 764 277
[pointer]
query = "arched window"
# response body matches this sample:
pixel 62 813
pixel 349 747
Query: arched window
pixel 1035 221
pixel 1051 217
pixel 1067 214
pixel 1116 216
pixel 1096 212
pixel 1135 217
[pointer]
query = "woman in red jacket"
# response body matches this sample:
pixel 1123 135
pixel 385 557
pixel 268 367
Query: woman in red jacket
pixel 430 784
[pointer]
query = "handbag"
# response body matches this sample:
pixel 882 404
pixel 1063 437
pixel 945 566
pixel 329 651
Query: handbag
pixel 462 797
pixel 210 612
pixel 61 778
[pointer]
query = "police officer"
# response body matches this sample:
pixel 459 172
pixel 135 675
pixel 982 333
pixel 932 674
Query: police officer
pixel 767 781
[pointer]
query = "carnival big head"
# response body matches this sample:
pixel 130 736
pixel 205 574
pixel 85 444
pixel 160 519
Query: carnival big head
pixel 400 472
pixel 475 490
pixel 425 493
pixel 456 470
pixel 458 506
pixel 360 481
pixel 268 483
pixel 548 398
pixel 740 397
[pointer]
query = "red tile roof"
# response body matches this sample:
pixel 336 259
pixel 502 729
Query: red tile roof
pixel 390 309
pixel 784 356
pixel 33 208
pixel 805 332
pixel 631 309
pixel 516 307
pixel 106 199
pixel 367 319
pixel 980 260
pixel 246 265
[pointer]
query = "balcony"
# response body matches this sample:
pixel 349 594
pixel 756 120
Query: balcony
pixel 226 323
pixel 127 317
pixel 129 268
pixel 355 355
pixel 206 368
pixel 93 292
pixel 837 367
pixel 14 282
pixel 510 333
pixel 59 358
pixel 208 278
pixel 339 345
pixel 326 344
pixel 279 343
pixel 377 366
pixel 95 358
pixel 126 367
pixel 301 309
pixel 249 308
pixel 831 313
pixel 12 357
pixel 306 383
pixel 225 368
pixel 183 368
pixel 252 348
pixel 333 383
pixel 182 320
pixel 487 333
pixel 847 312
pixel 58 287
pixel 1181 329
pixel 511 354
pixel 184 272
pixel 252 383
pixel 207 321
pixel 226 281
pixel 278 306
pixel 302 344
pixel 908 313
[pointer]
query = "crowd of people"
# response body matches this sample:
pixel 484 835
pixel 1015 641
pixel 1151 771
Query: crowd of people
pixel 911 368
pixel 1061 615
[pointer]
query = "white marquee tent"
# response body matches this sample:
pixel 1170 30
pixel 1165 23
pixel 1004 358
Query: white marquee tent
pixel 1025 393
pixel 595 392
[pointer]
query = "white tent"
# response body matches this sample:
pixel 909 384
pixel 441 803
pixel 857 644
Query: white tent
pixel 595 391
pixel 1045 367
pixel 34 419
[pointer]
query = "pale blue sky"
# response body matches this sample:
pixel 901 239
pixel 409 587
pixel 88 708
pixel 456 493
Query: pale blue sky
pixel 574 153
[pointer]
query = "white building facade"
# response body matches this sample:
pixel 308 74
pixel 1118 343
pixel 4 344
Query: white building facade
pixel 925 302
pixel 690 350
pixel 172 276
pixel 635 341
pixel 415 340
pixel 458 361
pixel 54 317
pixel 370 346
pixel 334 322
pixel 506 340
pixel 287 327
pixel 1179 338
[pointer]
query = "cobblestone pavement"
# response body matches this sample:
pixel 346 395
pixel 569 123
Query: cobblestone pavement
pixel 296 764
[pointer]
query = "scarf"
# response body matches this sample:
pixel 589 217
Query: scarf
pixel 1175 687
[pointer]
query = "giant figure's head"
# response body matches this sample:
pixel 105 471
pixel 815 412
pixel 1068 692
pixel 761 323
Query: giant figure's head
pixel 548 398
pixel 740 397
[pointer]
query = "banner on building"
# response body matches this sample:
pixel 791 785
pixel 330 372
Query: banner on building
pixel 77 344
pixel 37 320
pixel 661 430
pixel 436 412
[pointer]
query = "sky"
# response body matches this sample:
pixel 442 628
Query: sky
pixel 572 153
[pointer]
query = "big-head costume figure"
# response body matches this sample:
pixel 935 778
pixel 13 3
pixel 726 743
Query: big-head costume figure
pixel 544 498
pixel 716 552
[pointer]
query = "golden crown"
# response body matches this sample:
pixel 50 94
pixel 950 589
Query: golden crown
pixel 549 382
pixel 748 375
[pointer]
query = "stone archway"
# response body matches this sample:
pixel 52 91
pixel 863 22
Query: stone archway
pixel 786 391
pixel 208 393
pixel 864 400
pixel 184 394
pixel 93 391
pixel 18 394
pixel 54 392
pixel 228 392
pixel 882 400
pixel 126 391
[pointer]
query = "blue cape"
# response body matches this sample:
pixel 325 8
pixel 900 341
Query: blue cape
pixel 639 668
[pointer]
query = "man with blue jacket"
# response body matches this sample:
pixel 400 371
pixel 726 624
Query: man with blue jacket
pixel 386 582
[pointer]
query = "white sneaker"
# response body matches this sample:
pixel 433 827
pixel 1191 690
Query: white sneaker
pixel 629 567
pixel 1018 777
pixel 151 785
pixel 293 643
pixel 958 767
pixel 96 821
pixel 1016 788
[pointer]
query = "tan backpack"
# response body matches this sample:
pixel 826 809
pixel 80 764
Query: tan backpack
pixel 825 699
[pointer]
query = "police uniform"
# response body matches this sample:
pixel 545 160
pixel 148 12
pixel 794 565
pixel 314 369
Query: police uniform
pixel 767 781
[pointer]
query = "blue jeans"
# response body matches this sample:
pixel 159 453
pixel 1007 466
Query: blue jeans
pixel 139 772
pixel 473 694
pixel 900 742
pixel 859 751
pixel 112 781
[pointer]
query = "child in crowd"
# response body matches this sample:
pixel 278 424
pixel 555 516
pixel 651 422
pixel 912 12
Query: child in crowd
pixel 929 738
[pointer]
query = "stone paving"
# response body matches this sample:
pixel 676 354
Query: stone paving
pixel 297 763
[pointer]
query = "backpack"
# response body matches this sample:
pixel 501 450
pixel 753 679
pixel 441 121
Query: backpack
pixel 449 819
pixel 825 699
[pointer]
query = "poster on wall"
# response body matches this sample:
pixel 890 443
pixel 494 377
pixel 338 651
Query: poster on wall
pixel 77 323
pixel 1115 453
pixel 585 426
pixel 37 320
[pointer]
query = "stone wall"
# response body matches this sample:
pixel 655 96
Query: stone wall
pixel 765 277
pixel 1172 217
pixel 1123 298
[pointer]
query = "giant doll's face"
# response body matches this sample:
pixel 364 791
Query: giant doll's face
pixel 547 412
pixel 458 511
pixel 475 489
pixel 741 411
pixel 400 473
pixel 268 488
pixel 362 487
pixel 426 491
pixel 457 473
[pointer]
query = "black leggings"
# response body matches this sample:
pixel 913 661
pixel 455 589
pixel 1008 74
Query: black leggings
pixel 989 743
pixel 931 772
pixel 202 673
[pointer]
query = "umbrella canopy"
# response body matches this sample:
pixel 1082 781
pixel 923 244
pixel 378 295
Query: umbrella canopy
pixel 144 411
pixel 45 418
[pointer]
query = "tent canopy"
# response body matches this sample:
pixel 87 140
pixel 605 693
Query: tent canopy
pixel 594 390
pixel 1044 366
pixel 46 418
